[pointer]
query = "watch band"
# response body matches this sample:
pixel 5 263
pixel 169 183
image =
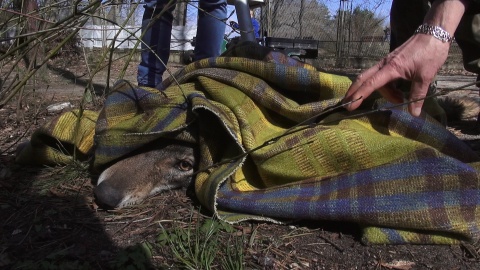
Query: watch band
pixel 435 31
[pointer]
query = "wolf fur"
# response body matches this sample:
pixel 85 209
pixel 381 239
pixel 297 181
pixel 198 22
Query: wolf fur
pixel 460 108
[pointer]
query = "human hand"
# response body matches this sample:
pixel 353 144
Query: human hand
pixel 417 60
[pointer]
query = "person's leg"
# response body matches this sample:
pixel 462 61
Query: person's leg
pixel 467 37
pixel 210 28
pixel 156 41
pixel 405 17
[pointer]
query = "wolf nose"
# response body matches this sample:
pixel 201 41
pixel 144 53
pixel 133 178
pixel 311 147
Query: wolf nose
pixel 107 196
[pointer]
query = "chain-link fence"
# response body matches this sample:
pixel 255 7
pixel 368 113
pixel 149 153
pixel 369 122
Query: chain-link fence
pixel 348 33
pixel 343 31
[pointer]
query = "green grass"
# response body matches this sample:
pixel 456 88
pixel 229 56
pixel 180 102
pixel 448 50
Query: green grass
pixel 134 257
pixel 202 245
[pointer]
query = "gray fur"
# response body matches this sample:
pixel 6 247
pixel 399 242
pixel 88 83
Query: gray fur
pixel 133 179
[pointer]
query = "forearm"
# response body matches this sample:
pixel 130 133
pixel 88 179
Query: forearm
pixel 446 14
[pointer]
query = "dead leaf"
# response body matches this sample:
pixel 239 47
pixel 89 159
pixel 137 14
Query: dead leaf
pixel 399 265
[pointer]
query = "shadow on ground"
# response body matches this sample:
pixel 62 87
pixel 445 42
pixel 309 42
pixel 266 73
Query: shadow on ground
pixel 84 81
pixel 55 227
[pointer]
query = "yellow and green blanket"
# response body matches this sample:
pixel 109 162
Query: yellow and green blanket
pixel 271 148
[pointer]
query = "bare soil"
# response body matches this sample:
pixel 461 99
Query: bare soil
pixel 49 219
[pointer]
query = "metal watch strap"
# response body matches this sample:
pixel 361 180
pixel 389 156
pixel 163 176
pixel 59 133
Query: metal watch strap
pixel 435 31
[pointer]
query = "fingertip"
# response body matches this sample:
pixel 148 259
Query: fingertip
pixel 352 103
pixel 418 91
pixel 349 107
pixel 415 108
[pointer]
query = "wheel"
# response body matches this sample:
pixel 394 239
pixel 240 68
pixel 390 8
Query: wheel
pixel 296 57
pixel 187 57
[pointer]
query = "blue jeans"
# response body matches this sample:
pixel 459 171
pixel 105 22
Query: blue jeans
pixel 210 33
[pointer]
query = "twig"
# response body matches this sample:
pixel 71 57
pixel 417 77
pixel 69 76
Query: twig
pixel 331 243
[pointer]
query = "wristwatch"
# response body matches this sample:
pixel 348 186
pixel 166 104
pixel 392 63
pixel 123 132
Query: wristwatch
pixel 435 31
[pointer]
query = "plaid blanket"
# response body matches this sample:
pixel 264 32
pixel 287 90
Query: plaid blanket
pixel 272 148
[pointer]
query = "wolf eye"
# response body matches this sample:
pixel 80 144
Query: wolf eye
pixel 184 165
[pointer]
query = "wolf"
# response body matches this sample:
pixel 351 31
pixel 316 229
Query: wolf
pixel 460 108
pixel 169 164
pixel 166 165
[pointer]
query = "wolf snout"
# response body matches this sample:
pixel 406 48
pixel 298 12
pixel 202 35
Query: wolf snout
pixel 107 196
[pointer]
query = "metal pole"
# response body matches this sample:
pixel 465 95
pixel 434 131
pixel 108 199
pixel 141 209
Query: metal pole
pixel 269 18
pixel 244 20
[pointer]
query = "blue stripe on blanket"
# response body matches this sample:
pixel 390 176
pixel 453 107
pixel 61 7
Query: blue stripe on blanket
pixel 307 201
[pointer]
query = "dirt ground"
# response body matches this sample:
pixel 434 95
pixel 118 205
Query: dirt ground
pixel 49 219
